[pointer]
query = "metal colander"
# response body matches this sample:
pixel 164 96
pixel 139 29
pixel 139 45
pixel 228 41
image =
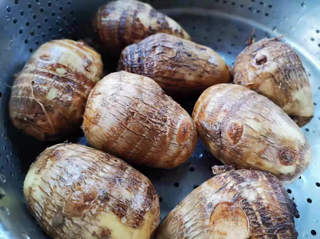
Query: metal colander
pixel 224 26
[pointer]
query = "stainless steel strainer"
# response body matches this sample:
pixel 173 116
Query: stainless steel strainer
pixel 223 25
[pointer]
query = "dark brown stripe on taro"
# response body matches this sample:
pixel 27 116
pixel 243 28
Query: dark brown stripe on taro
pixel 237 176
pixel 135 220
pixel 76 80
pixel 41 164
pixel 25 105
pixel 122 29
pixel 151 196
pixel 61 102
pixel 251 209
pixel 125 59
pixel 26 117
pixel 103 30
pixel 120 209
pixel 264 214
pixel 282 196
pixel 123 209
pixel 110 27
pixel 134 184
pixel 141 33
pixel 285 205
pixel 50 105
pixel 140 61
pixel 163 23
pixel 130 60
pixel 250 213
pixel 134 29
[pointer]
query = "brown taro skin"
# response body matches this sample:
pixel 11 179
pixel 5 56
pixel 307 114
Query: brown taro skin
pixel 49 95
pixel 273 69
pixel 179 66
pixel 247 130
pixel 121 23
pixel 238 204
pixel 77 192
pixel 130 116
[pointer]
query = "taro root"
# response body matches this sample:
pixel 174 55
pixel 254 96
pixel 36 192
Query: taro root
pixel 247 130
pixel 180 67
pixel 130 116
pixel 237 204
pixel 49 95
pixel 121 23
pixel 273 69
pixel 78 192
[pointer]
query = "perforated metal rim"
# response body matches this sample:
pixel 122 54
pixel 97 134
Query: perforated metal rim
pixel 223 25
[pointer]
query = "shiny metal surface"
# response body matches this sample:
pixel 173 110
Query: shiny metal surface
pixel 223 25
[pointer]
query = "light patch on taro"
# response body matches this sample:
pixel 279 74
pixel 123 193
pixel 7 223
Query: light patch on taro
pixel 250 194
pixel 257 126
pixel 61 70
pixel 301 103
pixel 53 93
